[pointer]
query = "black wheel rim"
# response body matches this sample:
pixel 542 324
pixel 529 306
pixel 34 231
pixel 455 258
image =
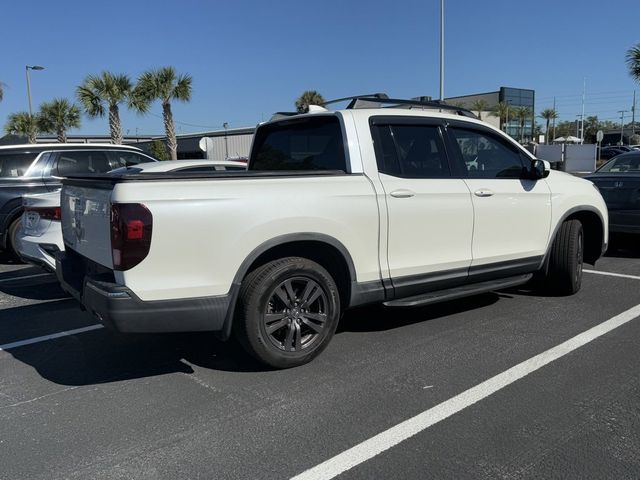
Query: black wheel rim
pixel 296 314
pixel 579 258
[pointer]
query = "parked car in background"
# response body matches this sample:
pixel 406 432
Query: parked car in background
pixel 39 168
pixel 619 183
pixel 607 153
pixel 41 235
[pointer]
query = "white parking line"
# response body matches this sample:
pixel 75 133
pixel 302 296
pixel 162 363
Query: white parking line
pixel 611 274
pixel 394 435
pixel 12 279
pixel 44 338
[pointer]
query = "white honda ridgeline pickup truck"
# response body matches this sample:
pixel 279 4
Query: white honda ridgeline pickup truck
pixel 406 205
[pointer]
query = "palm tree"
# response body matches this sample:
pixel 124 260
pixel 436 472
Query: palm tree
pixel 548 114
pixel 480 106
pixel 522 114
pixel 633 62
pixel 165 85
pixel 309 97
pixel 23 124
pixel 105 92
pixel 502 111
pixel 57 117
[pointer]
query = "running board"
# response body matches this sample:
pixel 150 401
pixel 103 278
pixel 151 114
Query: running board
pixel 458 292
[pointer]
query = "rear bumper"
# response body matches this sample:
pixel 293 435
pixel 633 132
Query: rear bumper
pixel 118 308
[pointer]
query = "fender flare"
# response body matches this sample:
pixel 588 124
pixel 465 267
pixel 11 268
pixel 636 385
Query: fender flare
pixel 268 245
pixel 580 208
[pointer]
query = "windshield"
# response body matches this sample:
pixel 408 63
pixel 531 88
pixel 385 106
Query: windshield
pixel 622 163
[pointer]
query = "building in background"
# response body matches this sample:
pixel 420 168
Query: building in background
pixel 515 97
pixel 232 143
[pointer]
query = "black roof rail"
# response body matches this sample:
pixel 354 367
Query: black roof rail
pixel 366 102
pixel 377 100
pixel 377 96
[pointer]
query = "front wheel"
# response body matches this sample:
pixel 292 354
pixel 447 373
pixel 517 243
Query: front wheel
pixel 288 311
pixel 564 276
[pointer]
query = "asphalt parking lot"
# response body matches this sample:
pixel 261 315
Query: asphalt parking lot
pixel 383 401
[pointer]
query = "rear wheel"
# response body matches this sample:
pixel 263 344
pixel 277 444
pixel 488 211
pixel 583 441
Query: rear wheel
pixel 564 276
pixel 288 311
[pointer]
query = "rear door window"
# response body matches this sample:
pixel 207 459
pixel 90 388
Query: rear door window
pixel 411 151
pixel 81 162
pixel 15 164
pixel 314 143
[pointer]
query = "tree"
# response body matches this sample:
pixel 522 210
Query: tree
pixel 163 84
pixel 23 124
pixel 633 62
pixel 2 85
pixel 480 106
pixel 57 117
pixel 309 97
pixel 548 114
pixel 158 150
pixel 591 127
pixel 522 114
pixel 106 92
pixel 502 110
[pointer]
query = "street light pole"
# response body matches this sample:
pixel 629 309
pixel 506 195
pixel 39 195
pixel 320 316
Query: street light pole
pixel 441 50
pixel 621 112
pixel 27 68
pixel 226 145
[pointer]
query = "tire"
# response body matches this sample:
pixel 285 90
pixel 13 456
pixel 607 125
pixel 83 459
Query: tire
pixel 12 235
pixel 287 312
pixel 564 276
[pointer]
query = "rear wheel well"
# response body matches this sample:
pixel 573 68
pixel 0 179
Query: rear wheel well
pixel 593 234
pixel 320 252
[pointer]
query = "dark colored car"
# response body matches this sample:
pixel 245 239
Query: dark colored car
pixel 619 183
pixel 39 168
pixel 606 153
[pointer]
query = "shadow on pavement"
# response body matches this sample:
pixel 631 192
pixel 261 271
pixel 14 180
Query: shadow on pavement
pixel 624 246
pixel 102 356
pixel 7 258
pixel 42 288
pixel 379 318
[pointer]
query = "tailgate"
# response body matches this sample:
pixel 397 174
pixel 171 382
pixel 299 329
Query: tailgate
pixel 86 222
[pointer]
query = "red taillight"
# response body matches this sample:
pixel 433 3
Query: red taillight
pixel 131 226
pixel 46 213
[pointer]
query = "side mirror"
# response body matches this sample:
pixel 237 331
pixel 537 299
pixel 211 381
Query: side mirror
pixel 540 169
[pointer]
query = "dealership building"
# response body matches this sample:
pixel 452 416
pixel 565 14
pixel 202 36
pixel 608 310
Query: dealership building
pixel 515 97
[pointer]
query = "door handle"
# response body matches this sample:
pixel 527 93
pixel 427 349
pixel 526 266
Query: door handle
pixel 483 192
pixel 402 193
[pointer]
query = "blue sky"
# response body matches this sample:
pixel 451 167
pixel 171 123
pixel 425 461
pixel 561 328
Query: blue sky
pixel 249 59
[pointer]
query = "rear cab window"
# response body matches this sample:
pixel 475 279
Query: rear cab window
pixel 310 143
